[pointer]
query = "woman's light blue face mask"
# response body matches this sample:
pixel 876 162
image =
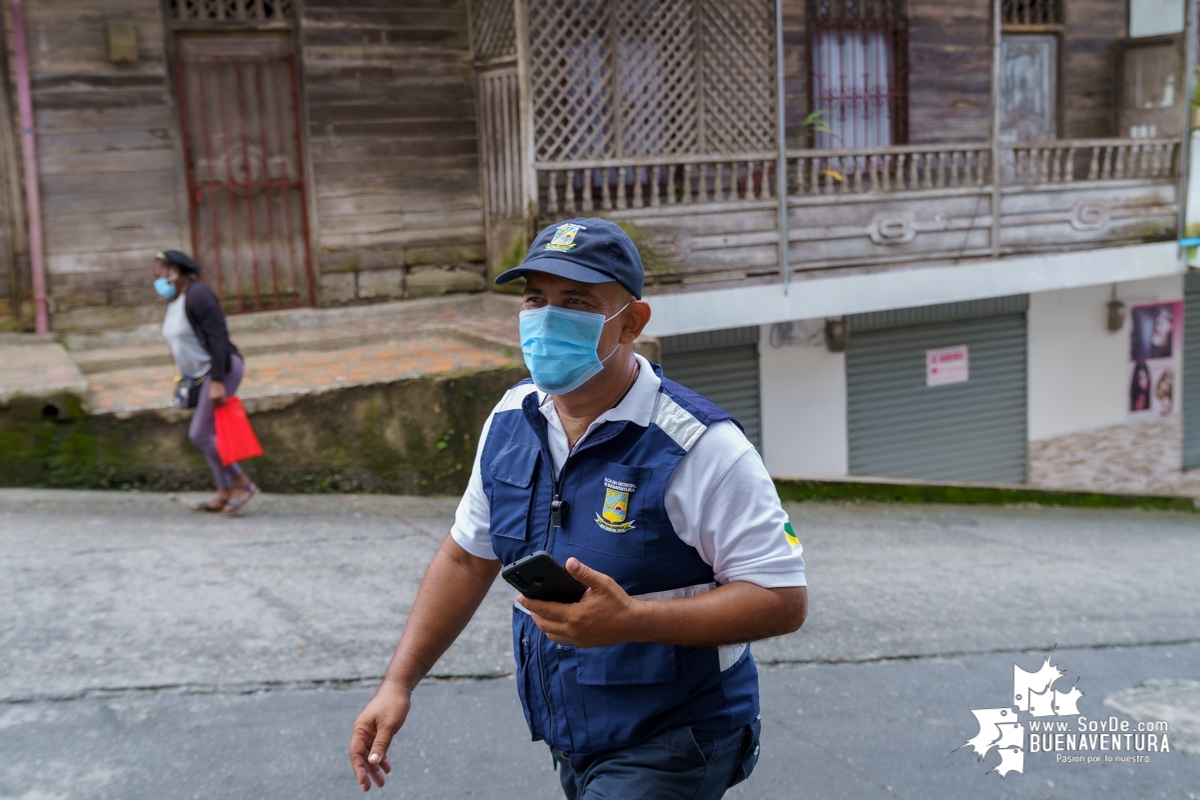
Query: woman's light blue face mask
pixel 559 345
pixel 165 288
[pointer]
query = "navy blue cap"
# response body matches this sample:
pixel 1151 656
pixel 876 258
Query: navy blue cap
pixel 181 260
pixel 585 249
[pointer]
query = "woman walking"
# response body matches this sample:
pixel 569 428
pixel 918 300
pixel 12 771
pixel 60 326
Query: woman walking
pixel 195 331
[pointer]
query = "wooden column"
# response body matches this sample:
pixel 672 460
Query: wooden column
pixel 994 128
pixel 1189 89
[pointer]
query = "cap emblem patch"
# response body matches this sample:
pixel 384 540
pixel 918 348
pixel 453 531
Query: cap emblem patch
pixel 564 236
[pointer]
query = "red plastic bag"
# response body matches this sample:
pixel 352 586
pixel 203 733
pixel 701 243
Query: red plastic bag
pixel 235 438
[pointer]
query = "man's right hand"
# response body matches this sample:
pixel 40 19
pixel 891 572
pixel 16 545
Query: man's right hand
pixel 453 587
pixel 373 732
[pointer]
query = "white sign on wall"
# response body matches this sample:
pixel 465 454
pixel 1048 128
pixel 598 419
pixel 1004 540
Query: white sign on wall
pixel 946 365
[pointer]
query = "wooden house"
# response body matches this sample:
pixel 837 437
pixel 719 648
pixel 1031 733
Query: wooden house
pixel 823 191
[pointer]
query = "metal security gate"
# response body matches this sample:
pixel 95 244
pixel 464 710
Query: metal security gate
pixel 1191 371
pixel 908 420
pixel 722 366
pixel 239 107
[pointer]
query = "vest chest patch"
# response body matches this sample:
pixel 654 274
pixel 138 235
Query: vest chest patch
pixel 616 505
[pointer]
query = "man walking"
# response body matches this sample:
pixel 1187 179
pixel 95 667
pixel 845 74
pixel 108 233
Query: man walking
pixel 654 499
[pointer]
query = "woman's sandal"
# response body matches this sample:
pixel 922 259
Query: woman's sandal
pixel 235 504
pixel 208 506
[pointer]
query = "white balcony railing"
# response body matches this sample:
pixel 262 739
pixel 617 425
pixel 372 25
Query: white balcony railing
pixel 658 181
pixel 1074 160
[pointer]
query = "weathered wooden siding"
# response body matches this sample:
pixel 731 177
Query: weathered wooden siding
pixel 107 159
pixel 950 62
pixel 703 246
pixel 1089 66
pixel 390 95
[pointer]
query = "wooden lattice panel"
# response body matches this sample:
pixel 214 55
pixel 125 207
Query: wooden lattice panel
pixel 626 78
pixel 1031 12
pixel 657 77
pixel 738 76
pixel 570 63
pixel 232 10
pixel 493 31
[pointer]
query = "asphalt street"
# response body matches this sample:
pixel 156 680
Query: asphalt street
pixel 149 652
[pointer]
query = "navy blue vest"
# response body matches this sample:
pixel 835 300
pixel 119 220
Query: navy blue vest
pixel 592 700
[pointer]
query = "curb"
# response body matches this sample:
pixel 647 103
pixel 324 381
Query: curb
pixel 798 490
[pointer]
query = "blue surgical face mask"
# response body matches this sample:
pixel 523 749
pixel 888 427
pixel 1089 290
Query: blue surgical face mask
pixel 559 345
pixel 165 288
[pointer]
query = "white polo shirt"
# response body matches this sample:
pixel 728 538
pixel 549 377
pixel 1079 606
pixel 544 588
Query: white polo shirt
pixel 719 499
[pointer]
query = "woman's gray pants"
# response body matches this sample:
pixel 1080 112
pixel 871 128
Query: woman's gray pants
pixel 202 432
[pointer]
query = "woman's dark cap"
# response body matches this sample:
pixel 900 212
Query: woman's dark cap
pixel 181 260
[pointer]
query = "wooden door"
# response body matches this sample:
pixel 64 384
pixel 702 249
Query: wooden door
pixel 1028 88
pixel 238 102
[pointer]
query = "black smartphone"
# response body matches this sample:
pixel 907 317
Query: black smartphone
pixel 540 577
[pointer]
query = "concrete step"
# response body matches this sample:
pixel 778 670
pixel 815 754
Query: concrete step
pixel 478 322
pixel 457 306
pixel 484 332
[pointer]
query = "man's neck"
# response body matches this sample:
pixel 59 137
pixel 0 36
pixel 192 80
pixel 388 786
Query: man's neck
pixel 582 407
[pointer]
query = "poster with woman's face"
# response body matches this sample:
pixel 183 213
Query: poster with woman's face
pixel 1155 339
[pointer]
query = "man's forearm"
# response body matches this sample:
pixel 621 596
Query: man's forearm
pixel 451 591
pixel 733 613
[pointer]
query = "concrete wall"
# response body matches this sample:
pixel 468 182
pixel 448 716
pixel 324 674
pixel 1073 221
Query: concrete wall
pixel 1078 371
pixel 1078 378
pixel 1154 17
pixel 413 436
pixel 803 409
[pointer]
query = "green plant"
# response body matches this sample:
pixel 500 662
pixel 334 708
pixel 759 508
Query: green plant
pixel 818 122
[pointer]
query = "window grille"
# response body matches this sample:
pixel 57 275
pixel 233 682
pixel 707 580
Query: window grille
pixel 1031 12
pixel 231 10
pixel 858 56
pixel 621 78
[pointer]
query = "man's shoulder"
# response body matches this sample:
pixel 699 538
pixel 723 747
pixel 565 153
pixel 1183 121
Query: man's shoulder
pixel 685 415
pixel 514 397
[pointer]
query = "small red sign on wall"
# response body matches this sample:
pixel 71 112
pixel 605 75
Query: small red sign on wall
pixel 947 365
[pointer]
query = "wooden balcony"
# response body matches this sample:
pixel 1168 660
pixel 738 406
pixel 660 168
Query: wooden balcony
pixel 704 220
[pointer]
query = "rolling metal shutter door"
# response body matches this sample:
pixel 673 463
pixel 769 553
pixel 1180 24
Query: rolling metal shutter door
pixel 722 366
pixel 971 431
pixel 1191 371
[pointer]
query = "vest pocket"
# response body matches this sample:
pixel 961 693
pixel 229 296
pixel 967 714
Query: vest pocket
pixel 624 691
pixel 512 491
pixel 629 664
pixel 611 504
pixel 526 674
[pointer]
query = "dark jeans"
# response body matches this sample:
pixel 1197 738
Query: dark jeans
pixel 202 433
pixel 679 764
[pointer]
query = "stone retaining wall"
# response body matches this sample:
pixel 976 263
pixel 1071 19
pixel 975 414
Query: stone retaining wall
pixel 407 437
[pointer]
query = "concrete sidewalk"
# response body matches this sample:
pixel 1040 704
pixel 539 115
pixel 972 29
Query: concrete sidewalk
pixel 303 351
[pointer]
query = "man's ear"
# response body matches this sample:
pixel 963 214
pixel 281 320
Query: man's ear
pixel 635 321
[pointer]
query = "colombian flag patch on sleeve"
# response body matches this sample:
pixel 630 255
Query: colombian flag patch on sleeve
pixel 790 534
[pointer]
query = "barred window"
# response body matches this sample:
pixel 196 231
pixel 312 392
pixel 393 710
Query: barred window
pixel 231 10
pixel 1031 12
pixel 859 66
